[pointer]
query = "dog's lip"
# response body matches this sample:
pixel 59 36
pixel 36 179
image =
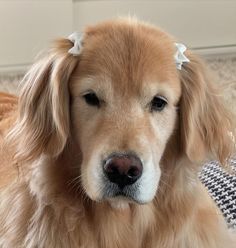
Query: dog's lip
pixel 121 193
pixel 128 193
pixel 125 196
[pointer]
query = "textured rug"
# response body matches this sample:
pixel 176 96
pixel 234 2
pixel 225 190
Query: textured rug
pixel 221 186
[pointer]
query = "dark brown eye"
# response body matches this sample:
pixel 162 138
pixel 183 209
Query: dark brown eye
pixel 91 99
pixel 158 103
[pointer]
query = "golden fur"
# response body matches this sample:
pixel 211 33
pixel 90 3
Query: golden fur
pixel 53 135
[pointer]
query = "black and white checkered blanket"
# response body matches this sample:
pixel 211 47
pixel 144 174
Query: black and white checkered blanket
pixel 221 185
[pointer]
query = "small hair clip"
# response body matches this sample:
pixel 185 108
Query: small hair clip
pixel 76 39
pixel 180 58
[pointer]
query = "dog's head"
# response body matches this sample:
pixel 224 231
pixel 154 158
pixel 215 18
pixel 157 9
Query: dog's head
pixel 120 101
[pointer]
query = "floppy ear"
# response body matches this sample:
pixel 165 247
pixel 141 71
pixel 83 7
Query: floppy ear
pixel 43 119
pixel 206 126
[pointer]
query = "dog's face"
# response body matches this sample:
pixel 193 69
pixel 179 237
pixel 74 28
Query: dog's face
pixel 124 93
pixel 121 103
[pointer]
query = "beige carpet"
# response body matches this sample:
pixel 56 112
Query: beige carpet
pixel 224 70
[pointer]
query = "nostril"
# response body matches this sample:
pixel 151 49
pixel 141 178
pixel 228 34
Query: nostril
pixel 133 172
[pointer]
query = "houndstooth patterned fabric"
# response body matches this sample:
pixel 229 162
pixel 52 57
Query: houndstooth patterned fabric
pixel 221 186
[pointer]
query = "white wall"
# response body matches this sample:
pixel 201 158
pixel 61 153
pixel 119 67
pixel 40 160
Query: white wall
pixel 27 26
pixel 198 23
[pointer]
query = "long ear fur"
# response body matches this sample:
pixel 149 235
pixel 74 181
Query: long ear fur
pixel 43 121
pixel 206 126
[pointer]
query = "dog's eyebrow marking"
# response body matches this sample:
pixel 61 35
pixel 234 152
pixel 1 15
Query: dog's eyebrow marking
pixel 91 83
pixel 87 83
pixel 164 89
pixel 81 85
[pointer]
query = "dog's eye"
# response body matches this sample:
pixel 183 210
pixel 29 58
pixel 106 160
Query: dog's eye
pixel 92 99
pixel 158 103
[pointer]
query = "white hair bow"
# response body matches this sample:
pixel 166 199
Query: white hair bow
pixel 180 58
pixel 76 39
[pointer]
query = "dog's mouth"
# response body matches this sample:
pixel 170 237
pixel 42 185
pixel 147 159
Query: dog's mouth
pixel 126 194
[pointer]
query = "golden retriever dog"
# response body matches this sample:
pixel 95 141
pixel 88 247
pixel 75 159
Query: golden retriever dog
pixel 103 149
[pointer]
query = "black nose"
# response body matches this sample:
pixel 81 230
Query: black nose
pixel 123 169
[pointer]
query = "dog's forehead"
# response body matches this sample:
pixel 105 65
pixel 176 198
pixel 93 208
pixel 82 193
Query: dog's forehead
pixel 128 54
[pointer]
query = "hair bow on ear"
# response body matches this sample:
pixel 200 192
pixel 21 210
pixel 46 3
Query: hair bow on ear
pixel 76 39
pixel 180 58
